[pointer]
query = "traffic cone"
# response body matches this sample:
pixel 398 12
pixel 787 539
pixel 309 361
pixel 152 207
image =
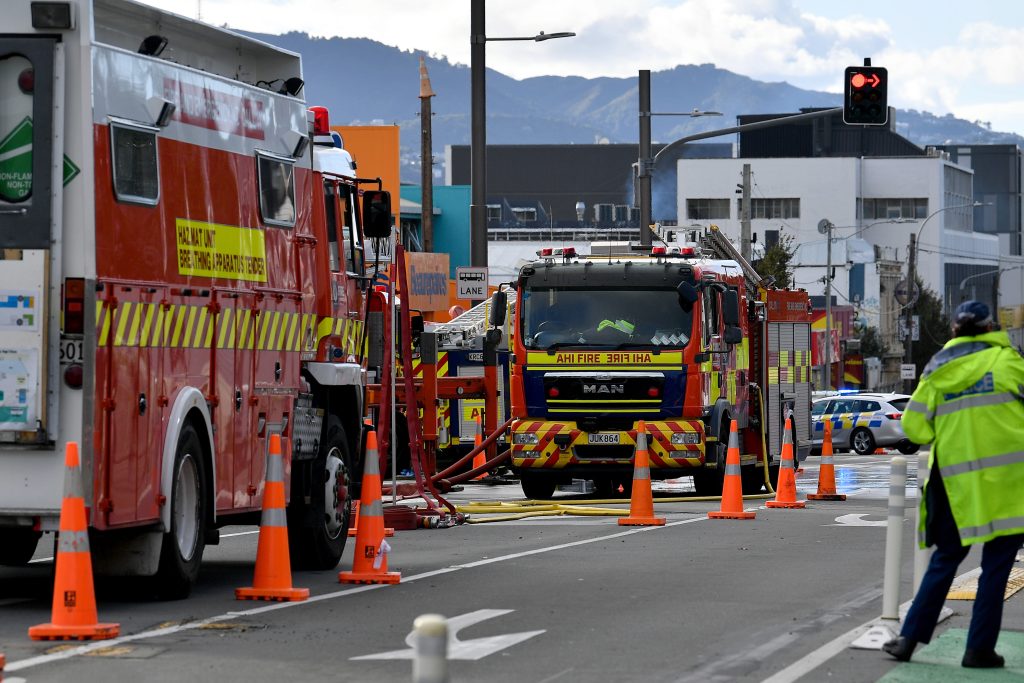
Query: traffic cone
pixel 353 528
pixel 273 576
pixel 641 501
pixel 732 484
pixel 785 492
pixel 826 471
pixel 370 564
pixel 480 459
pixel 74 600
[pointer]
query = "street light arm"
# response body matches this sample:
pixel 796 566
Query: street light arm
pixel 537 38
pixel 745 127
pixel 997 271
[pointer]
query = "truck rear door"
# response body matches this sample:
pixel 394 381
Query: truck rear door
pixel 27 220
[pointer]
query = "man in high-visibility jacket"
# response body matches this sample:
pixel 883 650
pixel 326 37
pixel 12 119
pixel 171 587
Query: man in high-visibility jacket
pixel 970 405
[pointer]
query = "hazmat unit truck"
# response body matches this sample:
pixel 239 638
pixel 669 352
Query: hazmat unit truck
pixel 182 276
pixel 685 338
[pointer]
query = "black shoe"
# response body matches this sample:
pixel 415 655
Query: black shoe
pixel 901 648
pixel 982 659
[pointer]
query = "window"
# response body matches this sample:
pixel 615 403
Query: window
pixel 819 408
pixel 16 129
pixel 351 237
pixel 331 213
pixel 134 162
pixel 707 209
pixel 894 208
pixel 494 212
pixel 277 189
pixel 772 208
pixel 524 214
pixel 866 406
pixel 899 403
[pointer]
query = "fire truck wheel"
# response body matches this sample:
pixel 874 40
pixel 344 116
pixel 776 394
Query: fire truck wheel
pixel 183 545
pixel 863 441
pixel 17 546
pixel 319 544
pixel 752 478
pixel 537 487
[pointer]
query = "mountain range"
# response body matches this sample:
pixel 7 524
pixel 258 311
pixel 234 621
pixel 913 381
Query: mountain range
pixel 363 82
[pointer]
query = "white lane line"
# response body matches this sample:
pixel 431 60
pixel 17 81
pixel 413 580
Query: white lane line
pixel 814 659
pixel 240 533
pixel 273 607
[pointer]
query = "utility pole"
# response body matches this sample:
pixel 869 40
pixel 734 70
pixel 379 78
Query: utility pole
pixel 828 308
pixel 644 162
pixel 478 136
pixel 426 160
pixel 745 247
pixel 908 339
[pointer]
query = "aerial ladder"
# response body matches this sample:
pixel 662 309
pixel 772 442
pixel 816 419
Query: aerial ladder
pixel 420 390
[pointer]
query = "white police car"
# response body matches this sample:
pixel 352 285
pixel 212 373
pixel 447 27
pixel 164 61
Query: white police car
pixel 861 422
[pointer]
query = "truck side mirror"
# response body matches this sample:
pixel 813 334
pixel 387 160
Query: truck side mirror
pixel 376 213
pixel 499 306
pixel 731 308
pixel 687 295
pixel 733 335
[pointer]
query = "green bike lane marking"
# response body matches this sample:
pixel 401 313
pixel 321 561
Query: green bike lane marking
pixel 939 661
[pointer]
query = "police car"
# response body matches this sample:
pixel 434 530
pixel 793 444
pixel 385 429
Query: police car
pixel 861 422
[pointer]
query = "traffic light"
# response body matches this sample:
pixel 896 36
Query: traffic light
pixel 864 96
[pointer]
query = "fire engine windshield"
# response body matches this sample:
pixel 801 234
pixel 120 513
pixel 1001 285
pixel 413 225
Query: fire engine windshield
pixel 605 317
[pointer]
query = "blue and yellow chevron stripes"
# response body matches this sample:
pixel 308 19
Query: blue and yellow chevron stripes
pixel 195 327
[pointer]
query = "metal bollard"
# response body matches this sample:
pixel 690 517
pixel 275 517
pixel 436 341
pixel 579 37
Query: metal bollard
pixel 430 643
pixel 894 539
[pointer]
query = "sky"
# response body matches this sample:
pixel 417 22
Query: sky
pixel 944 57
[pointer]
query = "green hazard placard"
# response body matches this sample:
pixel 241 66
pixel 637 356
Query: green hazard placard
pixel 16 163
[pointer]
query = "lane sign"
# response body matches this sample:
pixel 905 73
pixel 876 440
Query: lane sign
pixel 471 650
pixel 471 282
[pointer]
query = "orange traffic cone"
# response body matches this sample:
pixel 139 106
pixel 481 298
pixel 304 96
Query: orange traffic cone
pixel 732 484
pixel 74 601
pixel 826 470
pixel 641 501
pixel 354 527
pixel 273 576
pixel 785 492
pixel 370 564
pixel 480 459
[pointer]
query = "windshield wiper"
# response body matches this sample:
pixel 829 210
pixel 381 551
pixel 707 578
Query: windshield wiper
pixel 552 348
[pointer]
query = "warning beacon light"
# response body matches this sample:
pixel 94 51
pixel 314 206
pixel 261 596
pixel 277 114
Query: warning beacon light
pixel 865 100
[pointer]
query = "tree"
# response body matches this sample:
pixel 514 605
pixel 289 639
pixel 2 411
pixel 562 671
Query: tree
pixel 776 260
pixel 871 344
pixel 935 327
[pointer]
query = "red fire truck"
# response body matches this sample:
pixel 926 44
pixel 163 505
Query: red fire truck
pixel 686 338
pixel 182 276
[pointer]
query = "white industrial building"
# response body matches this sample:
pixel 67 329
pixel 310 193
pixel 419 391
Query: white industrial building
pixel 874 204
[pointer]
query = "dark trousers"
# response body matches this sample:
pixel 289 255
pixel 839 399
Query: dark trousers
pixel 997 559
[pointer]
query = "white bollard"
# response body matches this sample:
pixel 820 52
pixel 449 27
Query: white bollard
pixel 430 643
pixel 894 539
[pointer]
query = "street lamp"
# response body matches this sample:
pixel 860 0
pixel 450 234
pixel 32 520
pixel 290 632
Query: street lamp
pixel 825 227
pixel 645 164
pixel 908 338
pixel 478 144
pixel 995 284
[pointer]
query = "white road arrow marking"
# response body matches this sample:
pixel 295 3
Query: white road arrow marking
pixel 857 520
pixel 472 650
